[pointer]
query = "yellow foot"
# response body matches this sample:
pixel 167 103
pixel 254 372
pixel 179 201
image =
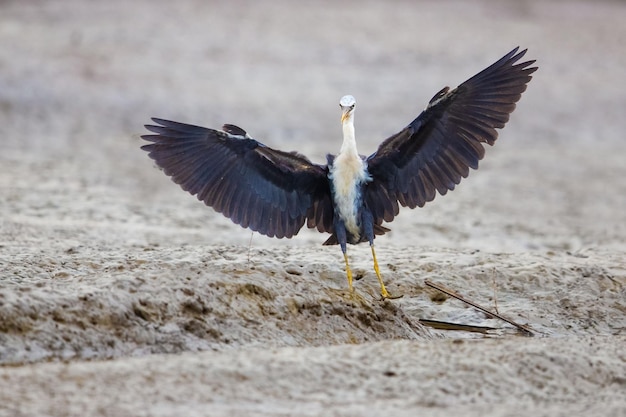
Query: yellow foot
pixel 386 296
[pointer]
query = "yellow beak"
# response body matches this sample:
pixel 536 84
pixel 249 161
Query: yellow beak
pixel 345 115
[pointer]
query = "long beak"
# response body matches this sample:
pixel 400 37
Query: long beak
pixel 345 114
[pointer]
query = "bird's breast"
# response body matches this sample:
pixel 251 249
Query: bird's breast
pixel 347 175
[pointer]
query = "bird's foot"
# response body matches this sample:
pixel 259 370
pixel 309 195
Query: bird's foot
pixel 383 290
pixel 386 296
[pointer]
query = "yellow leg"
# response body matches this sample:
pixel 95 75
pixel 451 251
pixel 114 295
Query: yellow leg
pixel 383 290
pixel 349 274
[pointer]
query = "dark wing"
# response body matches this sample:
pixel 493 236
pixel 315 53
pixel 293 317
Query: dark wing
pixel 437 149
pixel 269 191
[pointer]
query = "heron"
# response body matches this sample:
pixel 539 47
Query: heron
pixel 351 197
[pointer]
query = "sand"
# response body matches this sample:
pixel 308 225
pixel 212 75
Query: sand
pixel 122 295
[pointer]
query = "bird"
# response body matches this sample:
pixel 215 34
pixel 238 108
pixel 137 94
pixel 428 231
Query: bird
pixel 352 196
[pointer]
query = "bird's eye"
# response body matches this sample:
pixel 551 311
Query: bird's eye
pixel 352 107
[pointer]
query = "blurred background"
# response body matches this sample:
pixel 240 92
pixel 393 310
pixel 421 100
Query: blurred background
pixel 79 79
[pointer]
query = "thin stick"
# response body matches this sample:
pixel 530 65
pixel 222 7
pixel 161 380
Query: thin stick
pixel 444 325
pixel 477 306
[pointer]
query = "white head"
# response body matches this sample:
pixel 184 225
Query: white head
pixel 347 104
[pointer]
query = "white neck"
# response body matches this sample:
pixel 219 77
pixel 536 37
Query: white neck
pixel 347 174
pixel 349 142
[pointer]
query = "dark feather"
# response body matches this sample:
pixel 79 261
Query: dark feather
pixel 437 149
pixel 234 130
pixel 378 231
pixel 269 191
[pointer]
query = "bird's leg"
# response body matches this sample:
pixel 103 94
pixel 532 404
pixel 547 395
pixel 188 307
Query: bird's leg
pixel 368 228
pixel 383 291
pixel 342 238
pixel 349 274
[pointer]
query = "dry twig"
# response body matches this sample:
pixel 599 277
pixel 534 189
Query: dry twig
pixel 451 293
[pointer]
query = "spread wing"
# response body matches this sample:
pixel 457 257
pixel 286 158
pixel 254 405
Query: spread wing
pixel 269 191
pixel 437 149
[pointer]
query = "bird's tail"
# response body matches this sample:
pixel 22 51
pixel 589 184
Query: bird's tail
pixel 378 231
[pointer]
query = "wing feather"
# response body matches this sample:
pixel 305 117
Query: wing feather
pixel 435 151
pixel 269 191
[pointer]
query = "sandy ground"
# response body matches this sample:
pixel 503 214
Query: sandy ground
pixel 122 295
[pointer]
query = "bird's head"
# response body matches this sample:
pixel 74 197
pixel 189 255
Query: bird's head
pixel 347 104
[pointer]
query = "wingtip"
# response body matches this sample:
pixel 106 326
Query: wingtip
pixel 160 121
pixel 516 54
pixel 153 129
pixel 159 125
pixel 150 127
